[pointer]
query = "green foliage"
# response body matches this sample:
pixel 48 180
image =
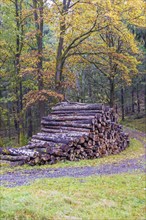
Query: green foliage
pixel 23 139
pixel 1 142
pixel 13 142
pixel 99 45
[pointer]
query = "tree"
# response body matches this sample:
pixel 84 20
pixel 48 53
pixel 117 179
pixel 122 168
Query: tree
pixel 77 21
pixel 49 47
pixel 14 47
pixel 38 10
pixel 113 49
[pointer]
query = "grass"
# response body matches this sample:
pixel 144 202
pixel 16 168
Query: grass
pixel 103 198
pixel 135 150
pixel 135 123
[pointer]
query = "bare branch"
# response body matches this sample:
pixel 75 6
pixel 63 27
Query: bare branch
pixel 95 64
pixel 57 6
pixel 73 4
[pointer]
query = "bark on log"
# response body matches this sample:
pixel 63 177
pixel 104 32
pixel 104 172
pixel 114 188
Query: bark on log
pixel 65 128
pixel 87 121
pixel 14 158
pixel 63 135
pixel 75 112
pixel 59 129
pixel 80 106
pixel 18 152
pixel 13 163
pixel 68 118
pixel 35 142
pixel 54 139
pixel 67 124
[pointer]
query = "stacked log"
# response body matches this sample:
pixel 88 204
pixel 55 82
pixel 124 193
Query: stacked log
pixel 73 131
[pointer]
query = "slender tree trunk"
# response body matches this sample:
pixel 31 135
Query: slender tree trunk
pixel 132 96
pixel 38 7
pixel 29 122
pixel 59 66
pixel 145 93
pixel 122 104
pixel 19 92
pixel 17 66
pixel 40 55
pixel 112 93
pixel 138 100
pixel 40 48
pixel 8 121
pixel 83 87
pixel 90 92
pixel 60 59
pixel 78 86
pixel 145 97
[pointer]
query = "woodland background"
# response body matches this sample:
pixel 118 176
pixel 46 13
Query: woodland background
pixel 86 51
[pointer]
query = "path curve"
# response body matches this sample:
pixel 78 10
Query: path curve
pixel 25 177
pixel 139 135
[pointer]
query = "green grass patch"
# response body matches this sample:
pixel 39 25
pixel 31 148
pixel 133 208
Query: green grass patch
pixel 135 150
pixel 103 198
pixel 135 123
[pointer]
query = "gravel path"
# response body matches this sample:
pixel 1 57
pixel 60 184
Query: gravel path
pixel 25 177
pixel 137 135
pixel 19 178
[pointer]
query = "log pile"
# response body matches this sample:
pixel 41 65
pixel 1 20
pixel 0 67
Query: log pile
pixel 73 131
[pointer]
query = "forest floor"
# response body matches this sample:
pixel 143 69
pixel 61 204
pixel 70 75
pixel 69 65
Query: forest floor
pixel 135 122
pixel 114 165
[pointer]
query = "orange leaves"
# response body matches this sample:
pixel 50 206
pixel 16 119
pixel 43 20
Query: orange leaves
pixel 33 97
pixel 28 63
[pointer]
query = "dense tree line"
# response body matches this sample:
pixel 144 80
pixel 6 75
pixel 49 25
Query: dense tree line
pixel 87 51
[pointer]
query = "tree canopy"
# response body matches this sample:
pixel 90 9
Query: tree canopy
pixel 83 50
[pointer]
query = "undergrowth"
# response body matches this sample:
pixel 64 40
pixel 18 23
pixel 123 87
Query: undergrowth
pixel 135 123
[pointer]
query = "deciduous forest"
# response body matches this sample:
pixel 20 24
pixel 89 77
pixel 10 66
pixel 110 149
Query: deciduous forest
pixel 52 50
pixel 72 109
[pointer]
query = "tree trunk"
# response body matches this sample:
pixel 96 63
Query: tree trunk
pixel 138 100
pixel 145 93
pixel 132 94
pixel 19 92
pixel 83 87
pixel 59 66
pixel 90 90
pixel 122 104
pixel 38 7
pixel 29 118
pixel 60 59
pixel 112 93
pixel 8 120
